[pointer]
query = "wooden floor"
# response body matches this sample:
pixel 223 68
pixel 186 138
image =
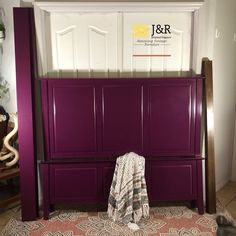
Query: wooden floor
pixel 226 195
pixel 9 194
pixel 9 186
pixel 6 214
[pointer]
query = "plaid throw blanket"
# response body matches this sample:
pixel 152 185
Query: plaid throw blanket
pixel 128 200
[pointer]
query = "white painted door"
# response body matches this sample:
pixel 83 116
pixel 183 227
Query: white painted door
pixel 119 44
pixel 84 45
pixel 156 42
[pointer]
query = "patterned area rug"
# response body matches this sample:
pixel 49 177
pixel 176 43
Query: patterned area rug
pixel 163 221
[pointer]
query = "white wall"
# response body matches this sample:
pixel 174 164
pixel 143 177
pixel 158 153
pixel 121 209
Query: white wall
pixel 224 73
pixel 7 54
pixel 234 153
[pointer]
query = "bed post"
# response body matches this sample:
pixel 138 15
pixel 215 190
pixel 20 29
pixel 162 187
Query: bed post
pixel 24 56
pixel 209 136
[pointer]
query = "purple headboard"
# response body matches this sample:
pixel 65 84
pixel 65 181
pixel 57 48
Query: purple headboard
pixel 96 118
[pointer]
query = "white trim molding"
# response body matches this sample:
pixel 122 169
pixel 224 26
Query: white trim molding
pixel 67 7
pixel 44 9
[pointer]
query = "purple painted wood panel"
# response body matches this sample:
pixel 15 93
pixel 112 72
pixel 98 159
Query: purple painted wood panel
pixel 122 118
pixel 162 114
pixel 46 190
pixel 106 180
pixel 90 181
pixel 113 117
pixel 171 120
pixel 72 119
pixel 171 180
pixel 74 183
pixel 24 79
pixel 45 117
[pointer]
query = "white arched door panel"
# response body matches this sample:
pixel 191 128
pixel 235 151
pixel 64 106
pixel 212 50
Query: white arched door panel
pixel 112 44
pixel 84 45
pixel 98 43
pixel 63 44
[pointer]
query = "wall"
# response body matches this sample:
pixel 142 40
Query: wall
pixel 234 153
pixel 7 54
pixel 224 89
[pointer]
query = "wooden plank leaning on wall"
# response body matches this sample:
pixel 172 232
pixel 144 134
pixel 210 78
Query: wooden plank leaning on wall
pixel 209 136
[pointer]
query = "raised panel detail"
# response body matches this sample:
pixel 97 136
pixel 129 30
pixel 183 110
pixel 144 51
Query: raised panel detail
pixel 73 120
pixel 122 119
pixel 99 117
pixel 94 44
pixel 171 118
pixel 107 176
pixel 75 183
pixel 98 50
pixel 65 49
pixel 177 51
pixel 172 180
pixel 83 45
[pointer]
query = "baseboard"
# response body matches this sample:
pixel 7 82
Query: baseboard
pixel 221 184
pixel 40 198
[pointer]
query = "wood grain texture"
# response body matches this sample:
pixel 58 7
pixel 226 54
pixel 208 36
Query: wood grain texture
pixel 209 136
